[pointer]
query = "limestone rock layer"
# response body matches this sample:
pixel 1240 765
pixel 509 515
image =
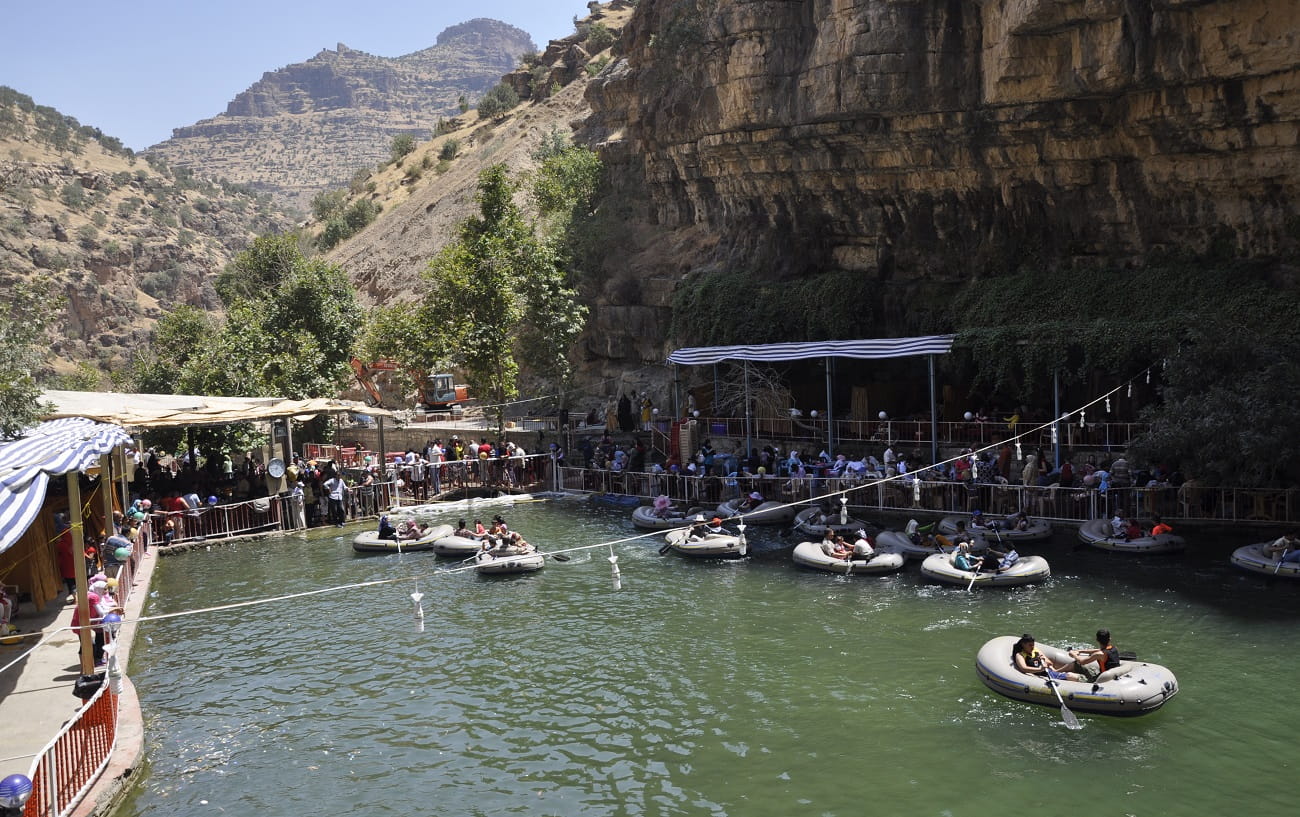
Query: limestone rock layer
pixel 911 139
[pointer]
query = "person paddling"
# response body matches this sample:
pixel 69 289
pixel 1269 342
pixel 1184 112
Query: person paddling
pixel 1106 657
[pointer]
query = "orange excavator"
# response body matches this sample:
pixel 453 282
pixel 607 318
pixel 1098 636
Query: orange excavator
pixel 434 391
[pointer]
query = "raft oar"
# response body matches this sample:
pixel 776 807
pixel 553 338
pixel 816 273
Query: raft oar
pixel 976 574
pixel 1071 722
pixel 1278 567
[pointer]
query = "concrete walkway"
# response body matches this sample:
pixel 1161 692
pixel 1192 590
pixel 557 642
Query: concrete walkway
pixel 36 697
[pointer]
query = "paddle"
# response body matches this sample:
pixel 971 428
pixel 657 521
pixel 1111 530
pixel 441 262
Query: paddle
pixel 1071 722
pixel 1278 567
pixel 559 557
pixel 977 573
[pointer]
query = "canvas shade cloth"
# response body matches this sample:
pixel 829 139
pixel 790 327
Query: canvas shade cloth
pixel 152 411
pixel 51 449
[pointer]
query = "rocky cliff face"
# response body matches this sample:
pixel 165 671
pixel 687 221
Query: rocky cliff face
pixel 935 141
pixel 307 127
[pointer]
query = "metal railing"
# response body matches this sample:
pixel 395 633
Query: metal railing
pixel 1065 504
pixel 71 763
pixel 916 432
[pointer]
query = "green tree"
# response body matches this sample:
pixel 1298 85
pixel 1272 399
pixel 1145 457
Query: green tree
pixel 599 37
pixel 179 336
pixel 328 203
pixel 24 324
pixel 402 145
pixel 497 102
pixel 568 177
pixel 290 326
pixel 499 290
pixel 1227 415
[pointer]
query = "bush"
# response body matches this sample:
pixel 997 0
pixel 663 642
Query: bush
pixel 497 102
pixel 73 195
pixel 450 150
pixel 599 37
pixel 327 204
pixel 402 145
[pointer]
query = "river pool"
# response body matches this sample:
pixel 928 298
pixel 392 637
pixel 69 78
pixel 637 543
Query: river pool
pixel 746 688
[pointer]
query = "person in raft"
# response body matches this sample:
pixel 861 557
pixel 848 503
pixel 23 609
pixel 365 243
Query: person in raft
pixel 1105 656
pixel 386 529
pixel 699 530
pixel 1030 661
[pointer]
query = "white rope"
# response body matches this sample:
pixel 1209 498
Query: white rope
pixel 550 553
pixel 989 447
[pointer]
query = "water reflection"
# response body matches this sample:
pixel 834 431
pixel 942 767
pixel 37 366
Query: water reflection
pixel 718 688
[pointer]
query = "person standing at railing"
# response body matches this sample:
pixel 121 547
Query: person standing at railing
pixel 336 489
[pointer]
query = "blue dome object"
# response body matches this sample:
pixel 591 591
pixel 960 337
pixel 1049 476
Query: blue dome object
pixel 14 791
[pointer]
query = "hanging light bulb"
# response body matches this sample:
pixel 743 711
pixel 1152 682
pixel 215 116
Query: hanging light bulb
pixel 1148 375
pixel 744 545
pixel 1130 389
pixel 1108 405
pixel 1083 413
pixel 916 491
pixel 1019 454
pixel 844 510
pixel 1055 434
pixel 613 568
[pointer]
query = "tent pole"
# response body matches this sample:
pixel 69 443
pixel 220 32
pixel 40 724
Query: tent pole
pixel 677 387
pixel 830 412
pixel 748 437
pixel 106 490
pixel 1056 416
pixel 715 411
pixel 85 635
pixel 934 416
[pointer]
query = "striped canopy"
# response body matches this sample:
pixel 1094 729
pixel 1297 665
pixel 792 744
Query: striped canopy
pixel 776 352
pixel 51 449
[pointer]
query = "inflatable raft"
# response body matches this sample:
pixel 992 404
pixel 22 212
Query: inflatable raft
pixel 894 541
pixel 767 513
pixel 812 522
pixel 508 560
pixel 454 545
pixel 809 554
pixel 1028 570
pixel 712 546
pixel 369 541
pixel 1253 558
pixel 1098 533
pixel 647 517
pixel 1132 688
pixel 1039 530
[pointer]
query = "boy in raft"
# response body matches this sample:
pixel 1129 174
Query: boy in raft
pixel 1105 656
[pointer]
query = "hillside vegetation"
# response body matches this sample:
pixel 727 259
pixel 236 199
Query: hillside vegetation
pixel 117 238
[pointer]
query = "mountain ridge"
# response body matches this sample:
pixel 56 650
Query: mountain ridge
pixel 309 126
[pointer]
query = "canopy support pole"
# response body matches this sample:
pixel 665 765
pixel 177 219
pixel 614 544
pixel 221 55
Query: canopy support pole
pixel 716 398
pixel 830 411
pixel 1056 415
pixel 934 416
pixel 85 634
pixel 748 442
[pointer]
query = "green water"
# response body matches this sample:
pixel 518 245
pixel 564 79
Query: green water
pixel 744 688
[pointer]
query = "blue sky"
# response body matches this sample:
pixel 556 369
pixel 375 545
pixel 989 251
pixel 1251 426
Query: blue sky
pixel 135 70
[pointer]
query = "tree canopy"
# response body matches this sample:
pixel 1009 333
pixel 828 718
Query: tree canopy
pixel 495 297
pixel 291 323
pixel 24 323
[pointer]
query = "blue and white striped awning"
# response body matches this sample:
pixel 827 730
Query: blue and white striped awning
pixel 776 352
pixel 51 449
